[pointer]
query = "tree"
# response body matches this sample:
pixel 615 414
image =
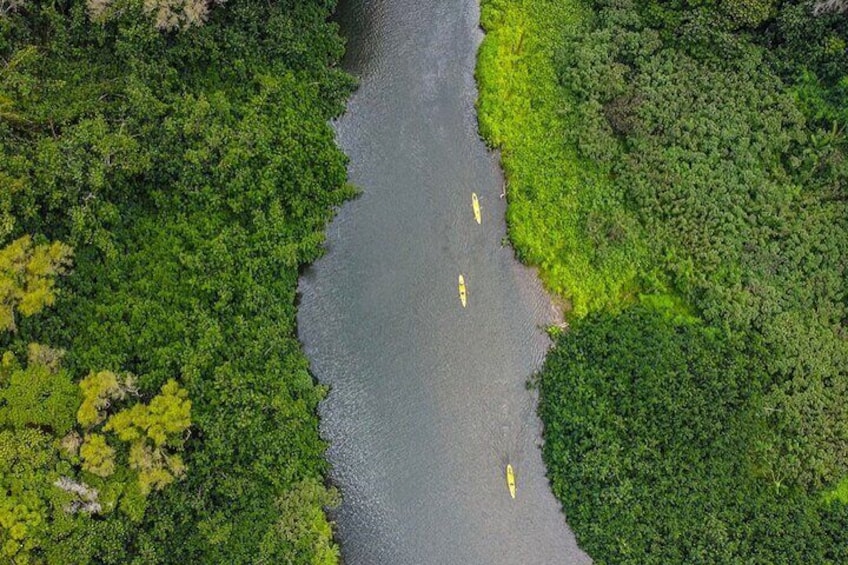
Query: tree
pixel 27 277
pixel 168 15
pixel 151 429
pixel 302 534
pixel 99 390
pixel 50 475
pixel 27 469
pixel 97 456
pixel 41 394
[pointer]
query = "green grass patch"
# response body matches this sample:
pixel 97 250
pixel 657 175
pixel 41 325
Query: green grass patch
pixel 564 215
pixel 838 493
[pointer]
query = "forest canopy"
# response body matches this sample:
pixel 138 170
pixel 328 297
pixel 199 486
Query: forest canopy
pixel 678 171
pixel 165 170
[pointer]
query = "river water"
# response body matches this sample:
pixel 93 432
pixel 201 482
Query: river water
pixel 428 401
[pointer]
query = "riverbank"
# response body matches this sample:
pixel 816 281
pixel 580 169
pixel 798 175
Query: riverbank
pixel 664 186
pixel 560 203
pixel 192 167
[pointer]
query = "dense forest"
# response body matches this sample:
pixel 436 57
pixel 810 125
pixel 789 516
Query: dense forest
pixel 677 169
pixel 166 167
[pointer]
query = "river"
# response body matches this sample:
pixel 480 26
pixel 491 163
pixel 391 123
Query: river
pixel 428 401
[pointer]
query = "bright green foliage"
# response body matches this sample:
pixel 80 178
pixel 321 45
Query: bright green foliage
pixel 27 463
pixel 193 173
pixel 717 197
pixel 98 391
pixel 27 274
pixel 97 456
pixel 51 479
pixel 168 413
pixel 163 422
pixel 37 406
pixel 39 395
pixel 563 215
pixel 838 493
pixel 156 468
pixel 302 534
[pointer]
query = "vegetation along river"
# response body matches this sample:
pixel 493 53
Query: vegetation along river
pixel 428 401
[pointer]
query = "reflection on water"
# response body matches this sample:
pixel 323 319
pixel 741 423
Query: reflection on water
pixel 428 401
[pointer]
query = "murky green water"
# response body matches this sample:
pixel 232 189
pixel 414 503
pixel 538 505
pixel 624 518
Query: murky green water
pixel 428 400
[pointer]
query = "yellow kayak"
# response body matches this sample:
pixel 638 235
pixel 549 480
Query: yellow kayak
pixel 462 294
pixel 510 480
pixel 475 203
